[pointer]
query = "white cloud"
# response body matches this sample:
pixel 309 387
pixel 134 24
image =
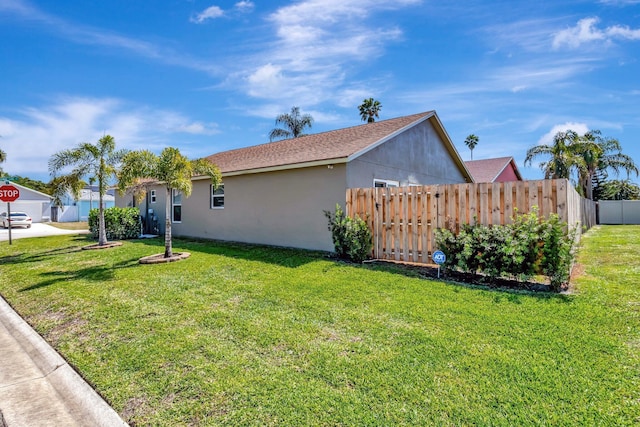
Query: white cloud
pixel 586 31
pixel 623 32
pixel 32 135
pixel 265 81
pixel 244 6
pixel 315 39
pixel 580 128
pixel 532 35
pixel 214 12
pixel 211 12
pixel 195 128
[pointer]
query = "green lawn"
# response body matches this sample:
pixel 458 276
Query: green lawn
pixel 248 335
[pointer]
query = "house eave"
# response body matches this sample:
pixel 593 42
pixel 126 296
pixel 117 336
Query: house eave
pixel 325 162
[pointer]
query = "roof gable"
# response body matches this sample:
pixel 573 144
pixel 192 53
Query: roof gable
pixel 34 193
pixel 488 170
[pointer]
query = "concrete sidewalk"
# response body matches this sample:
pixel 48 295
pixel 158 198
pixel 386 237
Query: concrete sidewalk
pixel 36 230
pixel 38 387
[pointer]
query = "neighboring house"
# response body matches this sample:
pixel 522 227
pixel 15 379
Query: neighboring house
pixel 78 210
pixel 276 193
pixel 36 204
pixel 500 169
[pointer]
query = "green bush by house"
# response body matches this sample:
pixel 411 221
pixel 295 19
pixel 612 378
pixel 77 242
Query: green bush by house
pixel 352 238
pixel 120 223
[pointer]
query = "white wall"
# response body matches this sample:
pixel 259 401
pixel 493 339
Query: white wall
pixel 35 209
pixel 619 211
pixel 68 214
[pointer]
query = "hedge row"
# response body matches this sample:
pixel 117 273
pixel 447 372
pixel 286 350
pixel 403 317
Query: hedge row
pixel 120 223
pixel 528 247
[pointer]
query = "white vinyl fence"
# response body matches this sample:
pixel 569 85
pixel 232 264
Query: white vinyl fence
pixel 619 211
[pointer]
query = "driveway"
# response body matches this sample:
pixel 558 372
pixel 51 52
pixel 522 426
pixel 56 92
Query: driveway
pixel 36 230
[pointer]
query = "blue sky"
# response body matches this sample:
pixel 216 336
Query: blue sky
pixel 207 76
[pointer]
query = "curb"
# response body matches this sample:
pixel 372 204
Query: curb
pixel 82 401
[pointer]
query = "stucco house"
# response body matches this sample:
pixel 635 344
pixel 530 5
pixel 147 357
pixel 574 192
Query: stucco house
pixel 499 169
pixel 36 204
pixel 276 193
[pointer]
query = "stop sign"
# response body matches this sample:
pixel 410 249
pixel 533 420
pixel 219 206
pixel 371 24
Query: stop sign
pixel 8 193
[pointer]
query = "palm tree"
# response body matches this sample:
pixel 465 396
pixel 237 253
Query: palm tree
pixel 596 155
pixel 588 158
pixel 141 169
pixel 3 158
pixel 86 160
pixel 294 123
pixel 616 189
pixel 471 142
pixel 369 110
pixel 562 157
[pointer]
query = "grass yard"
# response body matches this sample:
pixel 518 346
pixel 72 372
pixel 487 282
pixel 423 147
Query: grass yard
pixel 248 335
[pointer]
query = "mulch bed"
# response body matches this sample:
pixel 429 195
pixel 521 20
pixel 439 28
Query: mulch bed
pixel 107 245
pixel 431 272
pixel 160 258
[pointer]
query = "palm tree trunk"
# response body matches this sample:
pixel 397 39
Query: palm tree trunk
pixel 589 189
pixel 168 252
pixel 102 232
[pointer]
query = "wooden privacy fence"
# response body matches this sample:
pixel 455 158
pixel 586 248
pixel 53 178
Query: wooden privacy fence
pixel 403 219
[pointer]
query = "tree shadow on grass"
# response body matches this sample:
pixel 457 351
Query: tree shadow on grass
pixel 39 256
pixel 100 273
pixel 284 257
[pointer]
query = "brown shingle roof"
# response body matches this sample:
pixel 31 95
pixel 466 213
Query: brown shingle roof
pixel 487 170
pixel 326 146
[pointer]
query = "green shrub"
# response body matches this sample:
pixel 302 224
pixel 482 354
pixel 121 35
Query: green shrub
pixel 352 237
pixel 120 223
pixel 522 246
pixel 527 247
pixel 558 252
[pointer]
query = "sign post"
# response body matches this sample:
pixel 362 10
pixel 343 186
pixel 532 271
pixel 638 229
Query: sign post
pixel 439 258
pixel 9 193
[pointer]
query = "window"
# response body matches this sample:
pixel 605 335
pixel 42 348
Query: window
pixel 217 197
pixel 152 194
pixel 176 204
pixel 380 183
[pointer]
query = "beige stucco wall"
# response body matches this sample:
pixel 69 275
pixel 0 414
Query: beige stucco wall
pixel 283 208
pixel 417 156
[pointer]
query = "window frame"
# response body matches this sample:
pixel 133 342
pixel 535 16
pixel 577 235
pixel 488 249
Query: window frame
pixel 216 196
pixel 175 193
pixel 152 196
pixel 385 182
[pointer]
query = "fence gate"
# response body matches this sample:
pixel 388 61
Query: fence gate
pixel 403 219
